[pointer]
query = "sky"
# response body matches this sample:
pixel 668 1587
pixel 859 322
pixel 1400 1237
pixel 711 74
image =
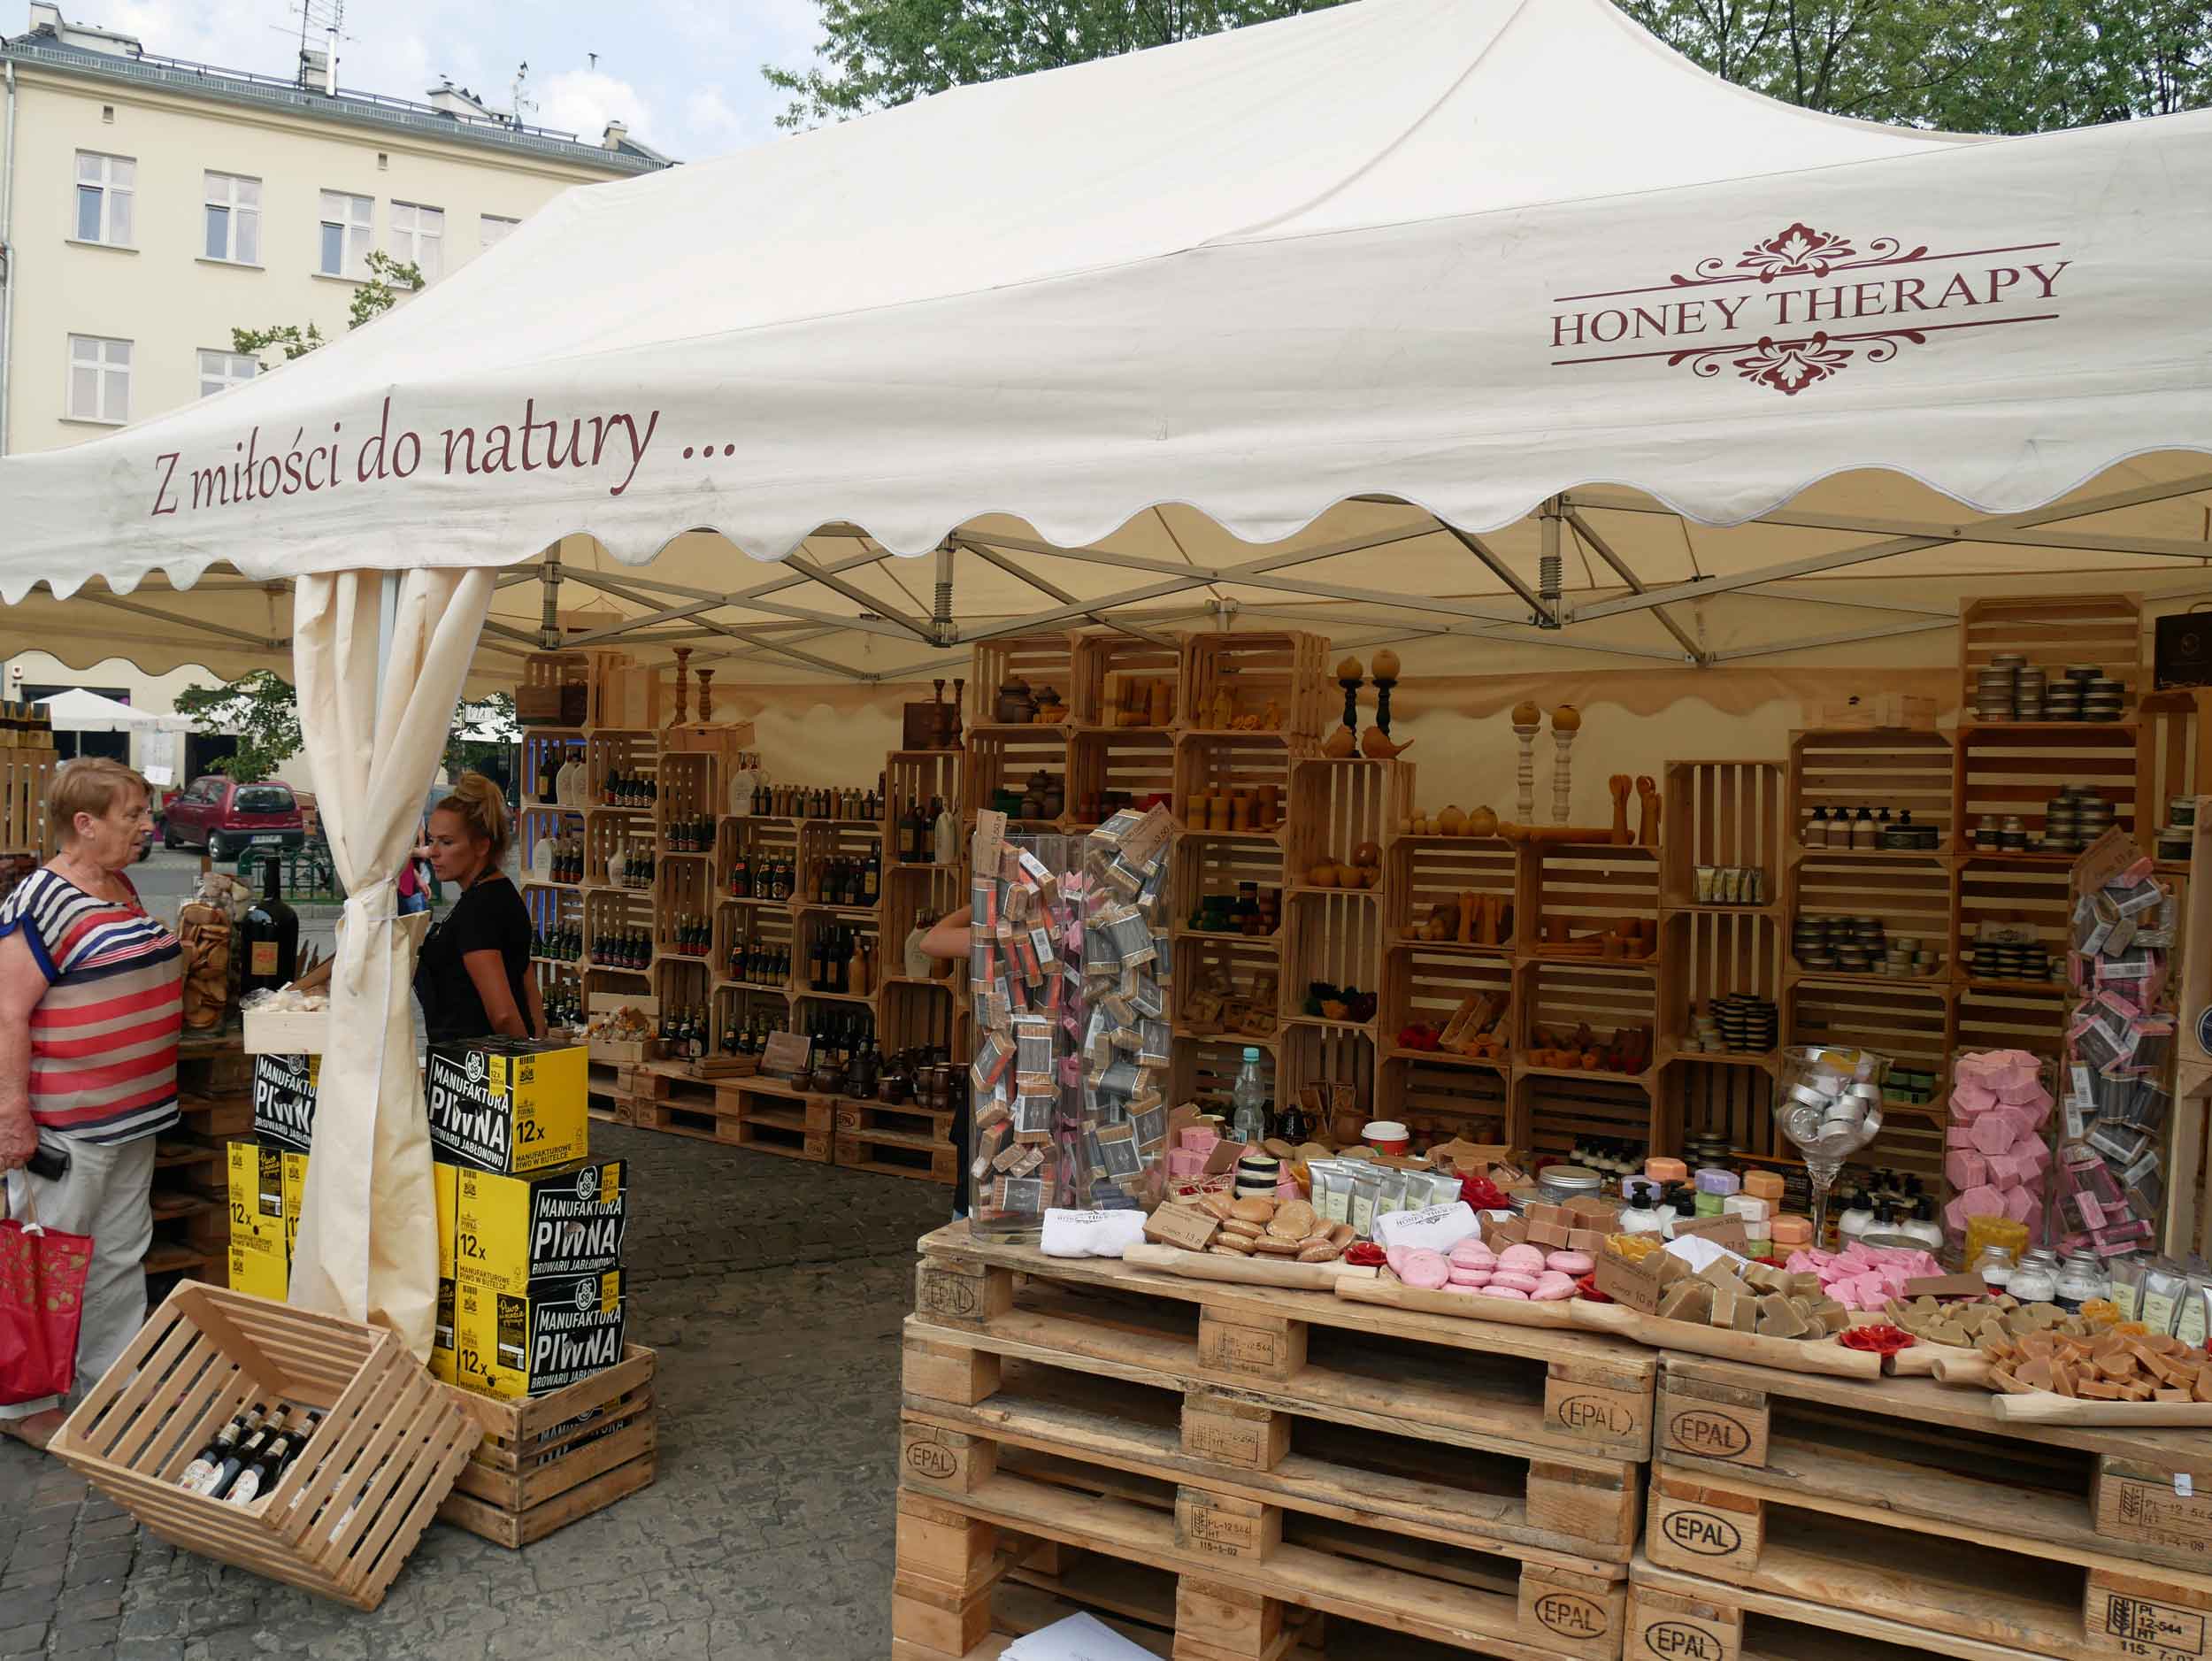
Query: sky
pixel 683 75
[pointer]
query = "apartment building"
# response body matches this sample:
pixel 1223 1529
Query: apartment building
pixel 149 206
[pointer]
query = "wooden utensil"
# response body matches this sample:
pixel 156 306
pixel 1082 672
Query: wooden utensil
pixel 1789 1355
pixel 2046 1407
pixel 1206 1265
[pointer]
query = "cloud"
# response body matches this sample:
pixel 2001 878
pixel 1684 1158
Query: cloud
pixel 583 101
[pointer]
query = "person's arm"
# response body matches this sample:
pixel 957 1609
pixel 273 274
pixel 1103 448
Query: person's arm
pixel 947 937
pixel 22 983
pixel 488 970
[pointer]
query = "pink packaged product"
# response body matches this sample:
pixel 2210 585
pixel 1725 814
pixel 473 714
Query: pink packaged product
pixel 1996 1156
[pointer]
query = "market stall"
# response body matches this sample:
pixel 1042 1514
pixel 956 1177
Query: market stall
pixel 1347 285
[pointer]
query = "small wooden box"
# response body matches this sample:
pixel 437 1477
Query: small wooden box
pixel 629 1052
pixel 547 1460
pixel 1874 712
pixel 345 1516
pixel 286 1032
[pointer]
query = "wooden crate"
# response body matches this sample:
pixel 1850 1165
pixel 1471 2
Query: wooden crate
pixel 1042 660
pixel 345 1516
pixel 1330 936
pixel 1711 953
pixel 1423 872
pixel 2027 898
pixel 1552 1110
pixel 1438 1097
pixel 1233 968
pixel 1607 997
pixel 2016 769
pixel 877 1143
pixel 1108 771
pixel 1584 889
pixel 2171 758
pixel 1216 862
pixel 683 890
pixel 690 784
pixel 1672 1616
pixel 1427 985
pixel 1714 1096
pixel 607 910
pixel 1910 1022
pixel 630 752
pixel 1912 895
pixel 1338 807
pixel 1326 1055
pixel 1289 669
pixel 2052 632
pixel 1929 1459
pixel 1723 813
pixel 608 834
pixel 1106 659
pixel 1905 771
pixel 914 1015
pixel 547 1460
pixel 1222 764
pixel 1008 758
pixel 2000 1017
pixel 554 689
pixel 547 752
pixel 1205 1067
pixel 917 775
pixel 773 1118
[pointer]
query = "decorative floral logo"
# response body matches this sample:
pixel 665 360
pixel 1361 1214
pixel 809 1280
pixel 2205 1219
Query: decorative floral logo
pixel 1789 366
pixel 1799 251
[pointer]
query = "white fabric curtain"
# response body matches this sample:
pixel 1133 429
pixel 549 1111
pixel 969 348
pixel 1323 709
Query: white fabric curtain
pixel 368 1235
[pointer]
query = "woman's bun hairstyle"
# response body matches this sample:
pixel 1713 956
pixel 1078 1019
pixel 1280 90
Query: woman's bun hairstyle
pixel 477 802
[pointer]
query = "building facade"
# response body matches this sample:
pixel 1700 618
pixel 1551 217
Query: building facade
pixel 149 207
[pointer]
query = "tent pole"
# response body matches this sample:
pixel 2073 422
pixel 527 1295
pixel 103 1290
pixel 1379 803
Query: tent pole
pixel 1581 528
pixel 992 556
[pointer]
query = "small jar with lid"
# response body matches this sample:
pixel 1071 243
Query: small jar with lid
pixel 1557 1185
pixel 2035 1281
pixel 2080 1278
pixel 1995 1266
pixel 1989 833
pixel 1816 833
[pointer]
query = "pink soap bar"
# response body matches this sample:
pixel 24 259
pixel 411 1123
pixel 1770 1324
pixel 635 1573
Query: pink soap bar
pixel 1186 1162
pixel 1517 1282
pixel 1993 1133
pixel 1425 1269
pixel 1954 1218
pixel 1522 1260
pixel 1983 1201
pixel 1454 1286
pixel 1972 1098
pixel 1470 1276
pixel 1551 1289
pixel 1200 1138
pixel 1470 1253
pixel 1494 1290
pixel 2020 1205
pixel 1569 1263
pixel 2006 1171
pixel 1965 1171
pixel 1959 1136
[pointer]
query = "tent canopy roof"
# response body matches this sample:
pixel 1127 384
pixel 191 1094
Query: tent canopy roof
pixel 78 711
pixel 1343 287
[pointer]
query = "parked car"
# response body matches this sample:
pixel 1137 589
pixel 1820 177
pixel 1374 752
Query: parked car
pixel 226 818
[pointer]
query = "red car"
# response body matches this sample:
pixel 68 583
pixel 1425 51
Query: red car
pixel 227 818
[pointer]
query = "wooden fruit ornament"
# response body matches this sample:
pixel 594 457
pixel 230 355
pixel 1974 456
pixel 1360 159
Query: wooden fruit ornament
pixel 1386 664
pixel 1349 669
pixel 1367 854
pixel 1323 875
pixel 1482 822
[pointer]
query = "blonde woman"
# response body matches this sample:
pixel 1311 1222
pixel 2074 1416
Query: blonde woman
pixel 91 1003
pixel 473 977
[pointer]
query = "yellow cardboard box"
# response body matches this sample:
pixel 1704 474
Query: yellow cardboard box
pixel 508 1105
pixel 260 1268
pixel 553 1334
pixel 255 1183
pixel 509 1231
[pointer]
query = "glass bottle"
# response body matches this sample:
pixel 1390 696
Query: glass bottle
pixel 2080 1278
pixel 270 933
pixel 2036 1279
pixel 1248 1099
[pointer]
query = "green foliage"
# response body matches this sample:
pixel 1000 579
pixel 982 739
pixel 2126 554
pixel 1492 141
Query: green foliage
pixel 484 731
pixel 1962 66
pixel 262 709
pixel 388 278
pixel 2027 66
pixel 878 53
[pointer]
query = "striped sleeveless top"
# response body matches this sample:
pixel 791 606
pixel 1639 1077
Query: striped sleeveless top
pixel 103 1039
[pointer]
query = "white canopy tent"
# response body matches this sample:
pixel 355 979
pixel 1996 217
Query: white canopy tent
pixel 1346 285
pixel 78 711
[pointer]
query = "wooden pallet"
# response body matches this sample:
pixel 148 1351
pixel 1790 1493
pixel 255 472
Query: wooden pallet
pixel 1677 1617
pixel 547 1460
pixel 1263 1372
pixel 924 1155
pixel 1137 1600
pixel 773 1118
pixel 1918 1457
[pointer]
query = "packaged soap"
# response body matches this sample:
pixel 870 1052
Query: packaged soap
pixel 1366 1189
pixel 2127 1285
pixel 2164 1286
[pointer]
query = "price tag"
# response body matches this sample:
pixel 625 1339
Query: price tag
pixel 2183 1488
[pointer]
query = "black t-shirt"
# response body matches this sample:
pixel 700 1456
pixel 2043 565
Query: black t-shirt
pixel 489 917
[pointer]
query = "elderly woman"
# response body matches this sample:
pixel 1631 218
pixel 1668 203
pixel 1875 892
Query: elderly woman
pixel 91 1002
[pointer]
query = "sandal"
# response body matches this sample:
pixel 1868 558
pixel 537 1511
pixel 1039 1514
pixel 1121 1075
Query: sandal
pixel 37 1430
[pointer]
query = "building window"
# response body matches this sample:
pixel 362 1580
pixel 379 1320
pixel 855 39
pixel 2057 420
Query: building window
pixel 491 230
pixel 99 378
pixel 418 238
pixel 233 219
pixel 346 233
pixel 104 187
pixel 219 370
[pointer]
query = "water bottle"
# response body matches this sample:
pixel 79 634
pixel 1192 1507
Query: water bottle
pixel 1248 1102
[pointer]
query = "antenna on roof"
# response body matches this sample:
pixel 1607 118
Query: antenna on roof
pixel 524 103
pixel 325 18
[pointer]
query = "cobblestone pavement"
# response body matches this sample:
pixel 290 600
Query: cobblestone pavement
pixel 772 1290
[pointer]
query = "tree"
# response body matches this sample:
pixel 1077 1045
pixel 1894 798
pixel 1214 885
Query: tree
pixel 878 53
pixel 483 731
pixel 262 709
pixel 388 278
pixel 2027 66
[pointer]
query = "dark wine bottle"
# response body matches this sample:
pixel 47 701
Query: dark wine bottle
pixel 200 1475
pixel 270 935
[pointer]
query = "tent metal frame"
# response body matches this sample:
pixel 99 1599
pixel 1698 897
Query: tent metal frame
pixel 778 630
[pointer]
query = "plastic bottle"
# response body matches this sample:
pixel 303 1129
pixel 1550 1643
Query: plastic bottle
pixel 1921 1225
pixel 1856 1219
pixel 1639 1218
pixel 1248 1098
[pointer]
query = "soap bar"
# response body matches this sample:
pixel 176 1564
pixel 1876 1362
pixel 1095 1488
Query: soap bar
pixel 1690 1300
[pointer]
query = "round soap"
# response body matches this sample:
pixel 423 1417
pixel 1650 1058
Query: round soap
pixel 1517 1282
pixel 1472 1254
pixel 1552 1289
pixel 1455 1286
pixel 1569 1263
pixel 1522 1259
pixel 1495 1290
pixel 1470 1276
pixel 1425 1269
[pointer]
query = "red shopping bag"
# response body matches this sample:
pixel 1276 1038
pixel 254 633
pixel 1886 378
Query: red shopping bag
pixel 42 1273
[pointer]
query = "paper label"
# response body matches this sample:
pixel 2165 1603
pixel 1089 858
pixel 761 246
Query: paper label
pixel 263 961
pixel 1438 1228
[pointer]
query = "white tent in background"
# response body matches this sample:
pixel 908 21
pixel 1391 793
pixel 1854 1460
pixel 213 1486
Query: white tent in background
pixel 1425 293
pixel 78 711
